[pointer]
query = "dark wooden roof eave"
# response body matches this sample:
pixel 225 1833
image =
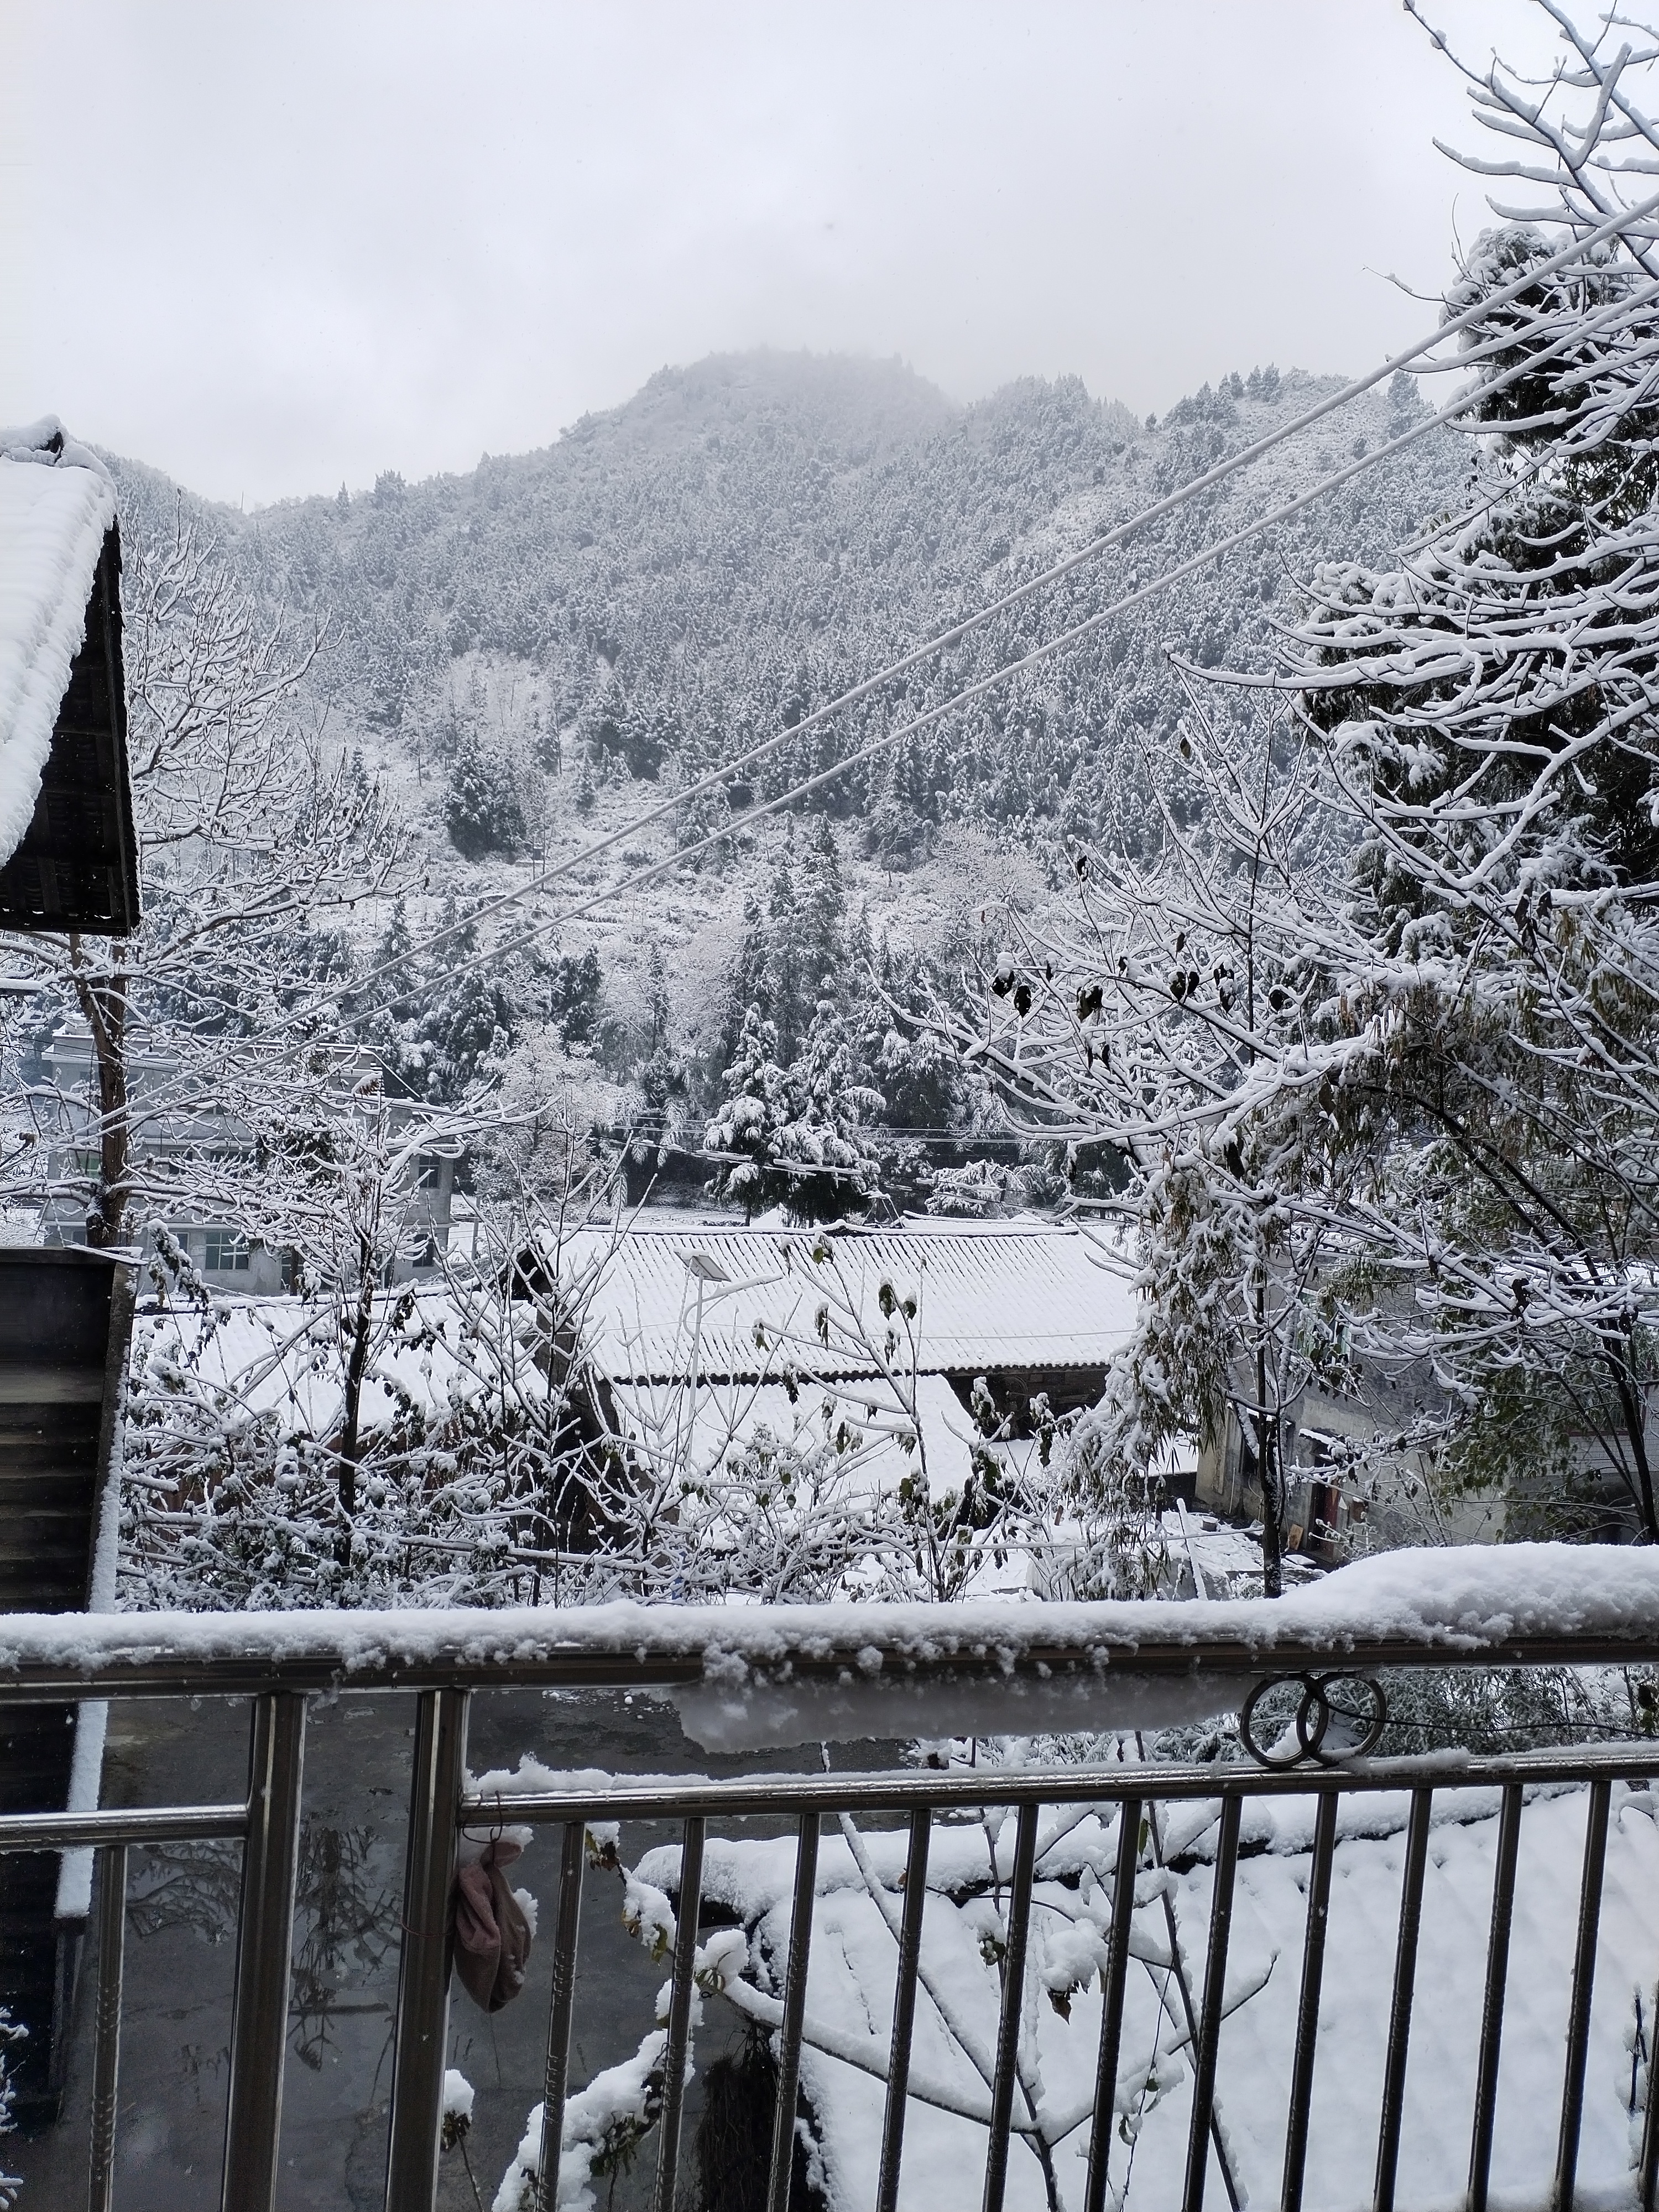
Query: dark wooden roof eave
pixel 76 867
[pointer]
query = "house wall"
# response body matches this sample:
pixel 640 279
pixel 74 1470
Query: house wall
pixel 1348 1491
pixel 225 1261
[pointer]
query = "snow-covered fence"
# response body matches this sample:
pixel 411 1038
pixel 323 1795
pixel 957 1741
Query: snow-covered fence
pixel 1119 1891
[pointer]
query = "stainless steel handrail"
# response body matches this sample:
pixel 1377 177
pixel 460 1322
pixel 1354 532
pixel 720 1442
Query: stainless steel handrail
pixel 322 1655
pixel 144 1824
pixel 1230 1660
pixel 44 1658
pixel 899 1791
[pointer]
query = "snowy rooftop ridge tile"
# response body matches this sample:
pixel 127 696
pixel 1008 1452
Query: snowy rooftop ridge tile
pixel 56 507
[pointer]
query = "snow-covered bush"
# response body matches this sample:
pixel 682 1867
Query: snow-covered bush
pixel 412 1446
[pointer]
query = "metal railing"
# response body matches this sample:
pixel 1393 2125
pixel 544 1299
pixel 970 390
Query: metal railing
pixel 280 1660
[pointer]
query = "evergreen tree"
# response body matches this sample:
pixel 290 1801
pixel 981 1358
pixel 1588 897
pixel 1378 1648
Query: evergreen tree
pixel 822 909
pixel 572 996
pixel 750 980
pixel 656 999
pixel 748 1125
pixel 466 1019
pixel 394 957
pixel 790 1009
pixel 481 809
pixel 832 1167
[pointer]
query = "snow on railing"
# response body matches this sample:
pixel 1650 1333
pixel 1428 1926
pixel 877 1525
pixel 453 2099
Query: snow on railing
pixel 744 1676
pixel 1068 1844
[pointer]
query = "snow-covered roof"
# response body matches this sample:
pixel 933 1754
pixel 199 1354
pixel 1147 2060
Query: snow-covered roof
pixel 1013 1295
pixel 702 1429
pixel 56 507
pixel 281 1357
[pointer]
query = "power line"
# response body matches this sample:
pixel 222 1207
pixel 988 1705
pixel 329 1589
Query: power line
pixel 1108 541
pixel 982 685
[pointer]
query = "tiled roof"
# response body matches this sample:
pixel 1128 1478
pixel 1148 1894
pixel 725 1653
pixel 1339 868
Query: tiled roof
pixel 1002 1295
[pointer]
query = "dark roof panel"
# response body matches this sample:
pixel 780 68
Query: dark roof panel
pixel 76 866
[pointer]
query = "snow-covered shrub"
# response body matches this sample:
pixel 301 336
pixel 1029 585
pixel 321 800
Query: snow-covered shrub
pixel 418 1446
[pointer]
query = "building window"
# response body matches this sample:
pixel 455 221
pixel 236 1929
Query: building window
pixel 226 1249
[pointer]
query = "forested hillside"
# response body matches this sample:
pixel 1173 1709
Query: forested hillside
pixel 691 571
pixel 539 651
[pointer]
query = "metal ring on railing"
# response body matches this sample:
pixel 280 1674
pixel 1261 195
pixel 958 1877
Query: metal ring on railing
pixel 1304 1737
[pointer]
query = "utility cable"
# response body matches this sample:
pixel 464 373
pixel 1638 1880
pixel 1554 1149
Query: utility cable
pixel 1107 541
pixel 1036 656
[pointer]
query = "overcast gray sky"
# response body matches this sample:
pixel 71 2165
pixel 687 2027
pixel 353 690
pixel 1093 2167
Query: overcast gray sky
pixel 270 247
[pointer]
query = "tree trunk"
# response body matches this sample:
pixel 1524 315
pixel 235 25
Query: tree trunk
pixel 1269 1441
pixel 362 1323
pixel 1632 1403
pixel 103 1003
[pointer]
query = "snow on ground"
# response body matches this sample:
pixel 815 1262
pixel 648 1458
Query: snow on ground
pixel 850 1994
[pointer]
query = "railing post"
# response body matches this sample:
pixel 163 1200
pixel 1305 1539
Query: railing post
pixel 1399 2013
pixel 1114 1983
pixel 1202 2124
pixel 904 2007
pixel 421 2035
pixel 795 2015
pixel 264 1950
pixel 106 2031
pixel 1583 1985
pixel 1647 2170
pixel 1491 2017
pixel 556 2075
pixel 1307 2014
pixel 688 1906
pixel 1013 2008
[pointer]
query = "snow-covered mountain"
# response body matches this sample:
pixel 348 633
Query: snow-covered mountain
pixel 541 649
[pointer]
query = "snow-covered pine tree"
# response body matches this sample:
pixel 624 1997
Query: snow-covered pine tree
pixel 825 1147
pixel 395 961
pixel 749 983
pixel 790 989
pixel 573 994
pixel 821 912
pixel 481 808
pixel 465 1019
pixel 744 1130
pixel 657 1010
